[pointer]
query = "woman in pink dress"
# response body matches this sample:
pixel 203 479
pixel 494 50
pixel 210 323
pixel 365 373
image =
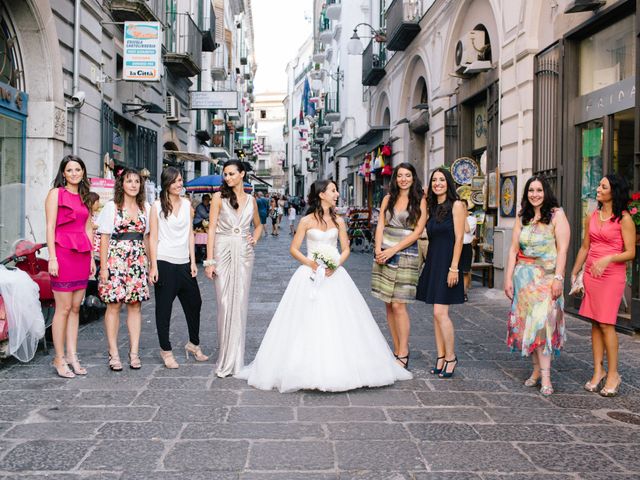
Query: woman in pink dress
pixel 609 242
pixel 69 229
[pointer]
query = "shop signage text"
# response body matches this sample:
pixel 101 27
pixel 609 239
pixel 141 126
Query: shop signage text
pixel 142 47
pixel 606 101
pixel 214 100
pixel 13 99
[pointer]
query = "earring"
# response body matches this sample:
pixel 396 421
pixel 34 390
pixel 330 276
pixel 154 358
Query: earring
pixel 64 181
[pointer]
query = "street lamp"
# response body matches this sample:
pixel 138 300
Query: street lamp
pixel 317 74
pixel 354 45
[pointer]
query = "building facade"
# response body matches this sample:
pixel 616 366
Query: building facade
pixel 269 114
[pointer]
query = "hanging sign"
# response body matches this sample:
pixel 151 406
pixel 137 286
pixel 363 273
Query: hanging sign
pixel 219 100
pixel 142 49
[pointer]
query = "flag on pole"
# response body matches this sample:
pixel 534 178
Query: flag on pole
pixel 307 107
pixel 258 148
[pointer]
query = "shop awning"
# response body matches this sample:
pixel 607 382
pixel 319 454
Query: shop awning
pixel 186 156
pixel 366 143
pixel 219 153
pixel 258 179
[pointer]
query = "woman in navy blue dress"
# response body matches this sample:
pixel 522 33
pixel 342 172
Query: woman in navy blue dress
pixel 440 283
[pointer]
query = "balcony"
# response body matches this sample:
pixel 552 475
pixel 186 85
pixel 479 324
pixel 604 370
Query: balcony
pixel 218 67
pixel 244 56
pixel 373 62
pixel 135 10
pixel 331 107
pixel 285 130
pixel 318 54
pixel 265 172
pixel 183 41
pixel 402 18
pixel 208 29
pixel 297 171
pixel 334 8
pixel 325 31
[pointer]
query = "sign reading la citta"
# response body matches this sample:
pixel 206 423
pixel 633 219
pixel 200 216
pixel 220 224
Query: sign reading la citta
pixel 142 48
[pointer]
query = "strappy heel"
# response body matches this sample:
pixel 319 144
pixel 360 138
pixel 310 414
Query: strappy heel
pixel 169 360
pixel 533 381
pixel 546 390
pixel 595 387
pixel 448 374
pixel 611 392
pixel 74 363
pixel 404 361
pixel 114 363
pixel 435 370
pixel 62 369
pixel 195 350
pixel 134 361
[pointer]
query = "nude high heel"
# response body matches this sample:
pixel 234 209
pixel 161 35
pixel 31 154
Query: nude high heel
pixel 62 369
pixel 168 359
pixel 72 360
pixel 195 350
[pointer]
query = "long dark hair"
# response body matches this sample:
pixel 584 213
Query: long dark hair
pixel 415 193
pixel 118 189
pixel 619 195
pixel 83 186
pixel 436 210
pixel 225 190
pixel 314 203
pixel 169 175
pixel 549 203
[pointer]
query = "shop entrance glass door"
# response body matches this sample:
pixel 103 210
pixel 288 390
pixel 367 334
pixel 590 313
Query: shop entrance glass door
pixel 11 182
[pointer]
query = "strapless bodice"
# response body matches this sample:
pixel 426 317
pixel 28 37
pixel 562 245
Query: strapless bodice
pixel 318 239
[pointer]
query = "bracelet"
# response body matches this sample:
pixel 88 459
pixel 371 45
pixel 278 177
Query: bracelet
pixel 209 263
pixel 53 258
pixel 558 277
pixel 454 270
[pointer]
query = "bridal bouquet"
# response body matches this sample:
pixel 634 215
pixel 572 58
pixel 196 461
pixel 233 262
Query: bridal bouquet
pixel 326 256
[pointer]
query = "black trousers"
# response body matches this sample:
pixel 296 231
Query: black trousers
pixel 176 281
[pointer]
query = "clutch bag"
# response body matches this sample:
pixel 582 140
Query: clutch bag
pixel 577 287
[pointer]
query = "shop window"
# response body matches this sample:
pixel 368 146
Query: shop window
pixel 12 134
pixel 10 71
pixel 263 114
pixel 451 147
pixel 591 166
pixel 608 56
pixel 148 151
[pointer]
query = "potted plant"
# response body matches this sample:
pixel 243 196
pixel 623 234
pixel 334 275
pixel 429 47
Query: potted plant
pixel 634 210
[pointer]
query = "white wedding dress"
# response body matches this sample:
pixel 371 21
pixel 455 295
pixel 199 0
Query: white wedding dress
pixel 322 335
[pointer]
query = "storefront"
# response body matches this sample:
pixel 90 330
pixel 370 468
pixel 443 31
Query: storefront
pixel 599 136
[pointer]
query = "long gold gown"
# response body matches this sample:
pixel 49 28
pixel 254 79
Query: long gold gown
pixel 234 263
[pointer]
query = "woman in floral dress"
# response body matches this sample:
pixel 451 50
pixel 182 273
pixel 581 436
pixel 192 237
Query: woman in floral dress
pixel 124 225
pixel 534 280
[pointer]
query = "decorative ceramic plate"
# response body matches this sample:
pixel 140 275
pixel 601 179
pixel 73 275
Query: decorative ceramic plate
pixel 464 169
pixel 464 192
pixel 477 197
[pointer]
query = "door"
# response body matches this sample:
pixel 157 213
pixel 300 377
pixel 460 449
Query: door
pixel 11 181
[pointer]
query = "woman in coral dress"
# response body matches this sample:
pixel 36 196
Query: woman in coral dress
pixel 609 242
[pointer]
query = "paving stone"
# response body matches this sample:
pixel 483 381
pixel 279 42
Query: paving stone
pixel 626 455
pixel 178 383
pixel 336 414
pixel 35 384
pixel 324 399
pixel 383 397
pixel 534 400
pixel 307 455
pixel 264 398
pixel 191 413
pixel 370 475
pixel 32 397
pixel 608 476
pixel 453 414
pixel 142 430
pixel 550 416
pixel 434 432
pixel 378 455
pixel 522 433
pixel 446 476
pixel 54 430
pixel 187 397
pixel 561 458
pixel 603 434
pixel 444 399
pixel 43 455
pixel 15 413
pixel 266 431
pixel 4 426
pixel 121 455
pixel 364 431
pixel 475 457
pixel 260 414
pixel 460 385
pixel 205 370
pixel 289 476
pixel 67 476
pixel 525 476
pixel 92 414
pixel 223 455
pixel 203 475
pixel 103 397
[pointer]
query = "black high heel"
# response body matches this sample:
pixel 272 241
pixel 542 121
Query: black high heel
pixel 435 370
pixel 403 360
pixel 444 373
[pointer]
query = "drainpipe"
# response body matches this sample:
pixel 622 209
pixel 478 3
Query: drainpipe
pixel 76 73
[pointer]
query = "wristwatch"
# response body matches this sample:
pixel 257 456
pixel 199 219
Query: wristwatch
pixel 558 277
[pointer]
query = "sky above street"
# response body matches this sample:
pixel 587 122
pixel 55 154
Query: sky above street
pixel 280 26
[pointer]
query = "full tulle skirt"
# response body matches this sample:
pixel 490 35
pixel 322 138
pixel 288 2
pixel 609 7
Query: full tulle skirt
pixel 322 337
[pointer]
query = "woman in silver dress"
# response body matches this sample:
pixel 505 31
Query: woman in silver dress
pixel 230 263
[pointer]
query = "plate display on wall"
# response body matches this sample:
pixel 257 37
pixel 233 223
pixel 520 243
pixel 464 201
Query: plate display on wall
pixel 464 169
pixel 464 192
pixel 477 197
pixel 508 189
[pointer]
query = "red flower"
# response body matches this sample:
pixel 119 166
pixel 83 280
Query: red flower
pixel 635 196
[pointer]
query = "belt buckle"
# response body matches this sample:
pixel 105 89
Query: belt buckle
pixel 236 230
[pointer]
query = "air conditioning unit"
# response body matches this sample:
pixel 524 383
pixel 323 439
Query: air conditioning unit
pixel 173 109
pixel 469 49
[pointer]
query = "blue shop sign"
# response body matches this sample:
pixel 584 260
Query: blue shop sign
pixel 13 99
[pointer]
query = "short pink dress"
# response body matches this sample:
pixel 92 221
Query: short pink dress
pixel 73 247
pixel 602 296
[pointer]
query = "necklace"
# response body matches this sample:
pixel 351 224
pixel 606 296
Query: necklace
pixel 604 219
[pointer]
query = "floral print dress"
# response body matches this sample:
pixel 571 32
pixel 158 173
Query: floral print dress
pixel 127 262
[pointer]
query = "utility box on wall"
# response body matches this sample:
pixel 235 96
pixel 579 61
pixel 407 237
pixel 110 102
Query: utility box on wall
pixel 501 245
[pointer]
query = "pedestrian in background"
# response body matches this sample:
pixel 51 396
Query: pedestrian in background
pixel 534 280
pixel 273 215
pixel 263 210
pixel 292 219
pixel 608 243
pixel 71 263
pixel 202 211
pixel 173 265
pixel 397 267
pixel 439 282
pixel 466 257
pixel 124 228
pixel 230 255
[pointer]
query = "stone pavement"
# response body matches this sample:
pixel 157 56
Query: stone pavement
pixel 187 424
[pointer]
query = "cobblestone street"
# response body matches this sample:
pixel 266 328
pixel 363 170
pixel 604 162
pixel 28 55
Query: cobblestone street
pixel 186 424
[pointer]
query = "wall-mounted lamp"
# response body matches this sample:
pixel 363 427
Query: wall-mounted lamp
pixel 139 108
pixel 354 46
pixel 317 76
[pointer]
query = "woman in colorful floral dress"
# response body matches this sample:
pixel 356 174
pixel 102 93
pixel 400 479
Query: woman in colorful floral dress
pixel 124 225
pixel 534 280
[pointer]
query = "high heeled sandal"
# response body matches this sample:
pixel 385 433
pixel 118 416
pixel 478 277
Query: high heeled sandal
pixel 545 390
pixel 134 361
pixel 404 361
pixel 74 363
pixel 446 373
pixel 169 360
pixel 533 381
pixel 435 370
pixel 611 392
pixel 195 350
pixel 114 363
pixel 595 387
pixel 62 369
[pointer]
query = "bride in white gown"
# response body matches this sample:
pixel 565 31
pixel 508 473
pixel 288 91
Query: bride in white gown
pixel 322 335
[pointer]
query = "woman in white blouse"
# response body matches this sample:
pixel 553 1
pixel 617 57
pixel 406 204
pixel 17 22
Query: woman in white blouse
pixel 123 226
